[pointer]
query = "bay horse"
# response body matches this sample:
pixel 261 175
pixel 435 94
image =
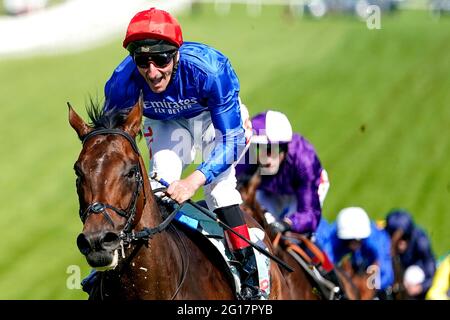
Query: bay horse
pixel 355 281
pixel 398 288
pixel 141 254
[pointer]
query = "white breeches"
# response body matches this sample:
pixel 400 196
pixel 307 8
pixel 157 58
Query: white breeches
pixel 174 144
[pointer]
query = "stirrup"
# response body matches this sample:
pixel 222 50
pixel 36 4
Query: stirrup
pixel 245 263
pixel 249 293
pixel 250 282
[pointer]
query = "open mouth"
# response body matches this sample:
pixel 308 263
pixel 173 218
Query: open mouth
pixel 156 81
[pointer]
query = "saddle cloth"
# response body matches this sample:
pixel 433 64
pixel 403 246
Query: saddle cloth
pixel 199 222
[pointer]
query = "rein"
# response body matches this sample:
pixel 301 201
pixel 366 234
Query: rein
pixel 99 207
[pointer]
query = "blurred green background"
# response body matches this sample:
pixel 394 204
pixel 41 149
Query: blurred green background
pixel 375 103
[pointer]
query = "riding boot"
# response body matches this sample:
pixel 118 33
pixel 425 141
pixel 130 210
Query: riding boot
pixel 241 250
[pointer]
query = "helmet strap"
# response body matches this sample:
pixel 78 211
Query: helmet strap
pixel 176 63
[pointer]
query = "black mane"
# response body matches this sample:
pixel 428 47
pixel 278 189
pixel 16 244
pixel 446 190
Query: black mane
pixel 106 119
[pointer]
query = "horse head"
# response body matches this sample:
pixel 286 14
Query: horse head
pixel 356 279
pixel 110 183
pixel 398 246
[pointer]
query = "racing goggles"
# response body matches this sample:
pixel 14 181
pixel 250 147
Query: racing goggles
pixel 160 59
pixel 271 148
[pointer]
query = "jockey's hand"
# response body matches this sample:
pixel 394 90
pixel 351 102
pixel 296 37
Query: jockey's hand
pixel 184 189
pixel 270 217
pixel 279 227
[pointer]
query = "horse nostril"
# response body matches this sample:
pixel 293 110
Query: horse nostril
pixel 110 241
pixel 83 244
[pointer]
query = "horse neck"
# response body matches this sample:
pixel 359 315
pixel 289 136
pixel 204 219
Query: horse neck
pixel 151 215
pixel 151 270
pixel 254 208
pixel 153 266
pixel 351 290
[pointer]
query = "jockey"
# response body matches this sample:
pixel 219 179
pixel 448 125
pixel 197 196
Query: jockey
pixel 354 233
pixel 293 182
pixel 412 246
pixel 191 101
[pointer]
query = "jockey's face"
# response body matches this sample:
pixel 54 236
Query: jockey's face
pixel 402 245
pixel 354 244
pixel 158 78
pixel 400 241
pixel 270 158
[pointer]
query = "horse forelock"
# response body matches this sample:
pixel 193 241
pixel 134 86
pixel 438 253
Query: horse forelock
pixel 102 118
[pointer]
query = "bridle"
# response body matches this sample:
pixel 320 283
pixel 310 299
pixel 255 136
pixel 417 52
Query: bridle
pixel 127 235
pixel 99 207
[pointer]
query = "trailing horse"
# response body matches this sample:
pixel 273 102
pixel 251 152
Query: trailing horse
pixel 355 281
pixel 300 284
pixel 304 284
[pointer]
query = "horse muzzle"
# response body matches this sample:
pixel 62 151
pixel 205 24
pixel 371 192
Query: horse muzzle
pixel 100 249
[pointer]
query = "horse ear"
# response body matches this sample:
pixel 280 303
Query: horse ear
pixel 81 127
pixel 133 123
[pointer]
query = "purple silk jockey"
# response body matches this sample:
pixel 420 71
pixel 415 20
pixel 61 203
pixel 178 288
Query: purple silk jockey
pixel 293 182
pixel 413 247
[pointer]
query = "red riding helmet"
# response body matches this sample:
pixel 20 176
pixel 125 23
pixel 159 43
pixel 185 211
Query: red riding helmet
pixel 154 24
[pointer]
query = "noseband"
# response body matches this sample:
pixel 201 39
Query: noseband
pixel 99 207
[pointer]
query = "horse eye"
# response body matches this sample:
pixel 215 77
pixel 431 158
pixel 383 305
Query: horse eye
pixel 131 173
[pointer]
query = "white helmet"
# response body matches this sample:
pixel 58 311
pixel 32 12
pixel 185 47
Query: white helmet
pixel 414 275
pixel 271 127
pixel 353 223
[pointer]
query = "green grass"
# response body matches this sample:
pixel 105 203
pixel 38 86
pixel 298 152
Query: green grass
pixel 374 103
